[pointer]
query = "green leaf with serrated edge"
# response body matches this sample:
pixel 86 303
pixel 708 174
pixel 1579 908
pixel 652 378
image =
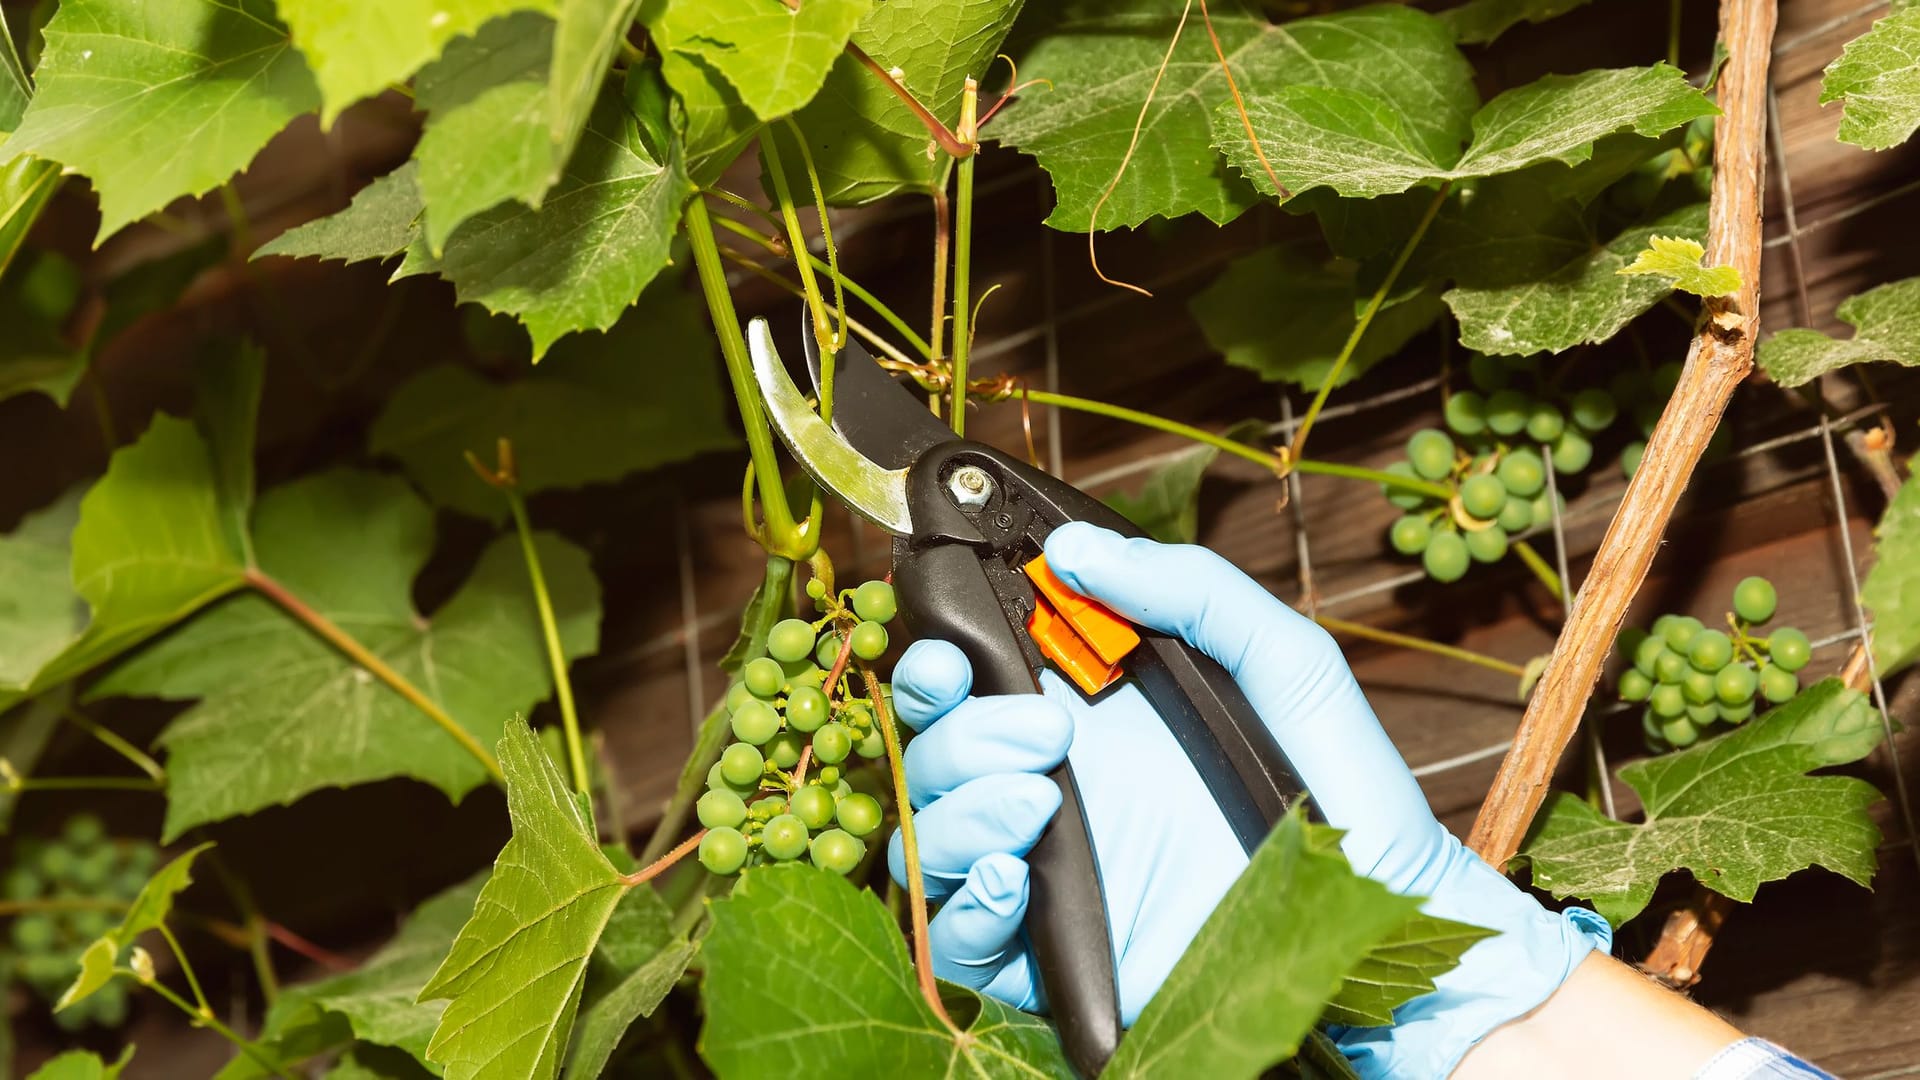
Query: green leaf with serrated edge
pixel 768 605
pixel 1892 588
pixel 27 185
pixel 1735 811
pixel 588 36
pixel 161 99
pixel 1285 318
pixel 1399 968
pixel 23 736
pixel 149 909
pixel 39 611
pixel 1584 301
pixel 1362 145
pixel 514 975
pixel 713 123
pixel 348 545
pixel 775 57
pixel 1886 325
pixel 1168 503
pixel 1266 963
pixel 605 1020
pixel 1320 1059
pixel 15 88
pixel 598 238
pixel 1878 77
pixel 866 144
pixel 793 944
pixel 1102 58
pixel 1478 22
pixel 82 1064
pixel 599 407
pixel 382 221
pixel 358 49
pixel 228 377
pixel 1679 260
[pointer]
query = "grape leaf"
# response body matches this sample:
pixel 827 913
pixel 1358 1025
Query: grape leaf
pixel 1892 587
pixel 1679 260
pixel 714 125
pixel 160 99
pixel 381 222
pixel 1585 300
pixel 1266 963
pixel 866 144
pixel 81 1064
pixel 793 944
pixel 283 713
pixel 1886 324
pixel 1361 144
pixel 24 733
pixel 358 49
pixel 597 408
pixel 599 236
pixel 514 975
pixel 1168 503
pixel 39 612
pixel 15 88
pixel 1102 58
pixel 775 57
pixel 1478 22
pixel 1878 77
pixel 1735 811
pixel 149 910
pixel 27 185
pixel 1281 316
pixel 1399 968
pixel 589 33
pixel 605 1020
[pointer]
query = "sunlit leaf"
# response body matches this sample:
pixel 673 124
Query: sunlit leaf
pixel 148 911
pixel 775 57
pixel 1878 77
pixel 1886 323
pixel 1478 22
pixel 1679 260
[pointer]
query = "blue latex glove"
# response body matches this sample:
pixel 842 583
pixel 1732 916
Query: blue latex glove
pixel 976 775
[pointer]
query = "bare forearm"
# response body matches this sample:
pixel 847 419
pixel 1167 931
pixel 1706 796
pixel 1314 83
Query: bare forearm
pixel 1606 1020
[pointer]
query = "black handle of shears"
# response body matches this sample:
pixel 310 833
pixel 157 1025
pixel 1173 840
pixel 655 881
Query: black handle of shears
pixel 958 578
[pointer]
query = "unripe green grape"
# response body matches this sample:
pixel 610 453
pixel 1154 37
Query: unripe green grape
pixel 92 869
pixel 1671 667
pixel 34 933
pixel 1703 715
pixel 830 774
pixel 832 744
pixel 1711 650
pixel 1431 452
pixel 738 695
pixel 1482 495
pixel 1681 632
pixel 1545 422
pixel 827 651
pixel 1488 372
pixel 48 971
pixel 741 765
pixel 84 830
pixel 1667 701
pixel 1398 496
pixel 1789 648
pixel 1516 516
pixel 1697 686
pixel 1679 732
pixel 1593 409
pixel 784 838
pixel 1754 599
pixel 803 670
pixel 22 884
pixel 1646 656
pixel 1523 473
pixel 858 814
pixel 92 923
pixel 807 708
pixel 1736 713
pixel 1488 545
pixel 1628 640
pixel 1543 508
pixel 721 810
pixel 143 857
pixel 871 745
pixel 790 640
pixel 1650 726
pixel 110 1005
pixel 756 722
pixel 128 883
pixel 1507 412
pixel 1466 412
pixel 1410 534
pixel 1634 686
pixel 1665 378
pixel 723 851
pixel 783 749
pixel 767 809
pixel 1630 458
pixel 841 789
pixel 763 677
pixel 1735 683
pixel 869 640
pixel 717 781
pixel 1777 684
pixel 874 601
pixel 816 589
pixel 813 805
pixel 1572 453
pixel 56 862
pixel 1446 557
pixel 857 717
pixel 836 851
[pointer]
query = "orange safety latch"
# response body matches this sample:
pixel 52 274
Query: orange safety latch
pixel 1081 635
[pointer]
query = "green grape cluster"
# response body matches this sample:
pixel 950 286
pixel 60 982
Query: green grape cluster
pixel 755 808
pixel 1496 494
pixel 72 886
pixel 1691 676
pixel 1644 394
pixel 1499 411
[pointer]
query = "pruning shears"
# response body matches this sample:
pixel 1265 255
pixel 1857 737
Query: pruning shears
pixel 968 523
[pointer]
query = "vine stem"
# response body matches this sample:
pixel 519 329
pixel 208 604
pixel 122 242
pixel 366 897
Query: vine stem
pixel 79 783
pixel 840 280
pixel 693 780
pixel 959 145
pixel 909 849
pixel 207 1019
pixel 664 863
pixel 759 270
pixel 114 742
pixel 963 257
pixel 1718 361
pixel 1365 320
pixel 942 240
pixel 550 631
pixel 266 586
pixel 1408 641
pixel 1540 569
pixel 797 244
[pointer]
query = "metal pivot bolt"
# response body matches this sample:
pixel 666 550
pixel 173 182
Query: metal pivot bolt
pixel 970 487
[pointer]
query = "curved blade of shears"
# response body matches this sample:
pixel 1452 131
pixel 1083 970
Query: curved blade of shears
pixel 877 494
pixel 872 410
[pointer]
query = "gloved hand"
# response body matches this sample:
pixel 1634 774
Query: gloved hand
pixel 976 776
